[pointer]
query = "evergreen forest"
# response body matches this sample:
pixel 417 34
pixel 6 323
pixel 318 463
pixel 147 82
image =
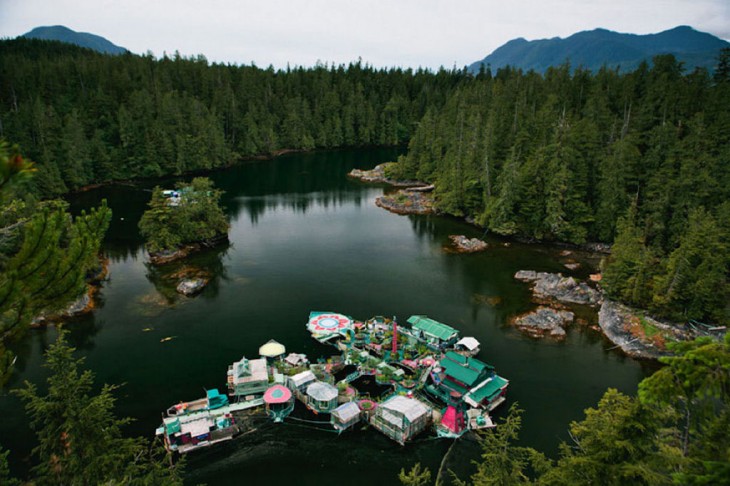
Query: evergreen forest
pixel 638 160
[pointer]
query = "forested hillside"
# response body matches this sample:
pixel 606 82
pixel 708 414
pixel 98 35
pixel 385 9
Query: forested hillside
pixel 642 158
pixel 85 118
pixel 639 158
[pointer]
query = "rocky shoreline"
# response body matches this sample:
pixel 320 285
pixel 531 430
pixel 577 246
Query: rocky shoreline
pixel 377 174
pixel 462 244
pixel 636 334
pixel 549 287
pixel 82 305
pixel 167 256
pixel 407 202
pixel 544 322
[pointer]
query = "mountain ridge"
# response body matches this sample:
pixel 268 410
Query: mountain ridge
pixel 592 49
pixel 62 33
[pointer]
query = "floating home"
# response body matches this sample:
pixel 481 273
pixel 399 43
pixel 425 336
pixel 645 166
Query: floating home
pixel 462 378
pixel 279 402
pixel 321 397
pixel 434 334
pixel 189 432
pixel 427 358
pixel 247 378
pixel 345 416
pixel 401 418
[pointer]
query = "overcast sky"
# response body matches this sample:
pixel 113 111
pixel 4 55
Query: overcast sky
pixel 384 33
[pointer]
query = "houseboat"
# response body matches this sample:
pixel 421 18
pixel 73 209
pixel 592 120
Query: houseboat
pixel 434 334
pixel 401 418
pixel 189 432
pixel 247 378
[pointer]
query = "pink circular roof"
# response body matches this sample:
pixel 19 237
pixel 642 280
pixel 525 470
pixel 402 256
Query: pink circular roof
pixel 329 322
pixel 277 394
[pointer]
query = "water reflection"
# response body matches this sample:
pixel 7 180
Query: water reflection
pixel 207 265
pixel 257 206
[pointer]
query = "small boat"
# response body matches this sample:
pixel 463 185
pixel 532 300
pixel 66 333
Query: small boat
pixel 213 400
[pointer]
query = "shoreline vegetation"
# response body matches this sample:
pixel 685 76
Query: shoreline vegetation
pixel 631 159
pixel 632 330
pixel 183 221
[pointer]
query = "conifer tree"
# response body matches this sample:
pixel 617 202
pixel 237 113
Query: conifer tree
pixel 80 439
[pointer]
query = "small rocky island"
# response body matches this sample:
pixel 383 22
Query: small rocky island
pixel 552 291
pixel 416 198
pixel 380 173
pixel 551 287
pixel 462 244
pixel 181 222
pixel 637 334
pixel 407 202
pixel 544 322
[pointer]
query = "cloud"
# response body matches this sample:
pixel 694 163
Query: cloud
pixel 413 33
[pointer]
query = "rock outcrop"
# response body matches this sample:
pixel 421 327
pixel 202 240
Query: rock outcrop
pixel 638 336
pixel 544 322
pixel 462 244
pixel 406 202
pixel 378 174
pixel 191 286
pixel 554 286
pixel 167 256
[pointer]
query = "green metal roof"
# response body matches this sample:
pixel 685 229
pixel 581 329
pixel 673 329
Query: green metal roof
pixel 464 374
pixel 470 362
pixel 434 328
pixel 492 388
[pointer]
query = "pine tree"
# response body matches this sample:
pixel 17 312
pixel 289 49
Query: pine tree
pixel 80 439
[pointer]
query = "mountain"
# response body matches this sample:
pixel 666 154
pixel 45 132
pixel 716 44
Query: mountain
pixel 592 49
pixel 83 39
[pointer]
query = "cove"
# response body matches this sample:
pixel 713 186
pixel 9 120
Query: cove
pixel 304 237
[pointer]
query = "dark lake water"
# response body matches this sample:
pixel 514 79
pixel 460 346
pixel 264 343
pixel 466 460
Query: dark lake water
pixel 304 237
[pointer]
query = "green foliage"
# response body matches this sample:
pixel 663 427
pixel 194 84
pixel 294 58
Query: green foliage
pixel 196 217
pixel 45 255
pixel 417 476
pixel 51 266
pixel 502 462
pixel 88 118
pixel 14 169
pixel 79 438
pixel 615 444
pixel 564 156
pixel 695 284
pixel 5 477
pixel 695 387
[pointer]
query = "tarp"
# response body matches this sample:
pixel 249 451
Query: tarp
pixel 469 343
